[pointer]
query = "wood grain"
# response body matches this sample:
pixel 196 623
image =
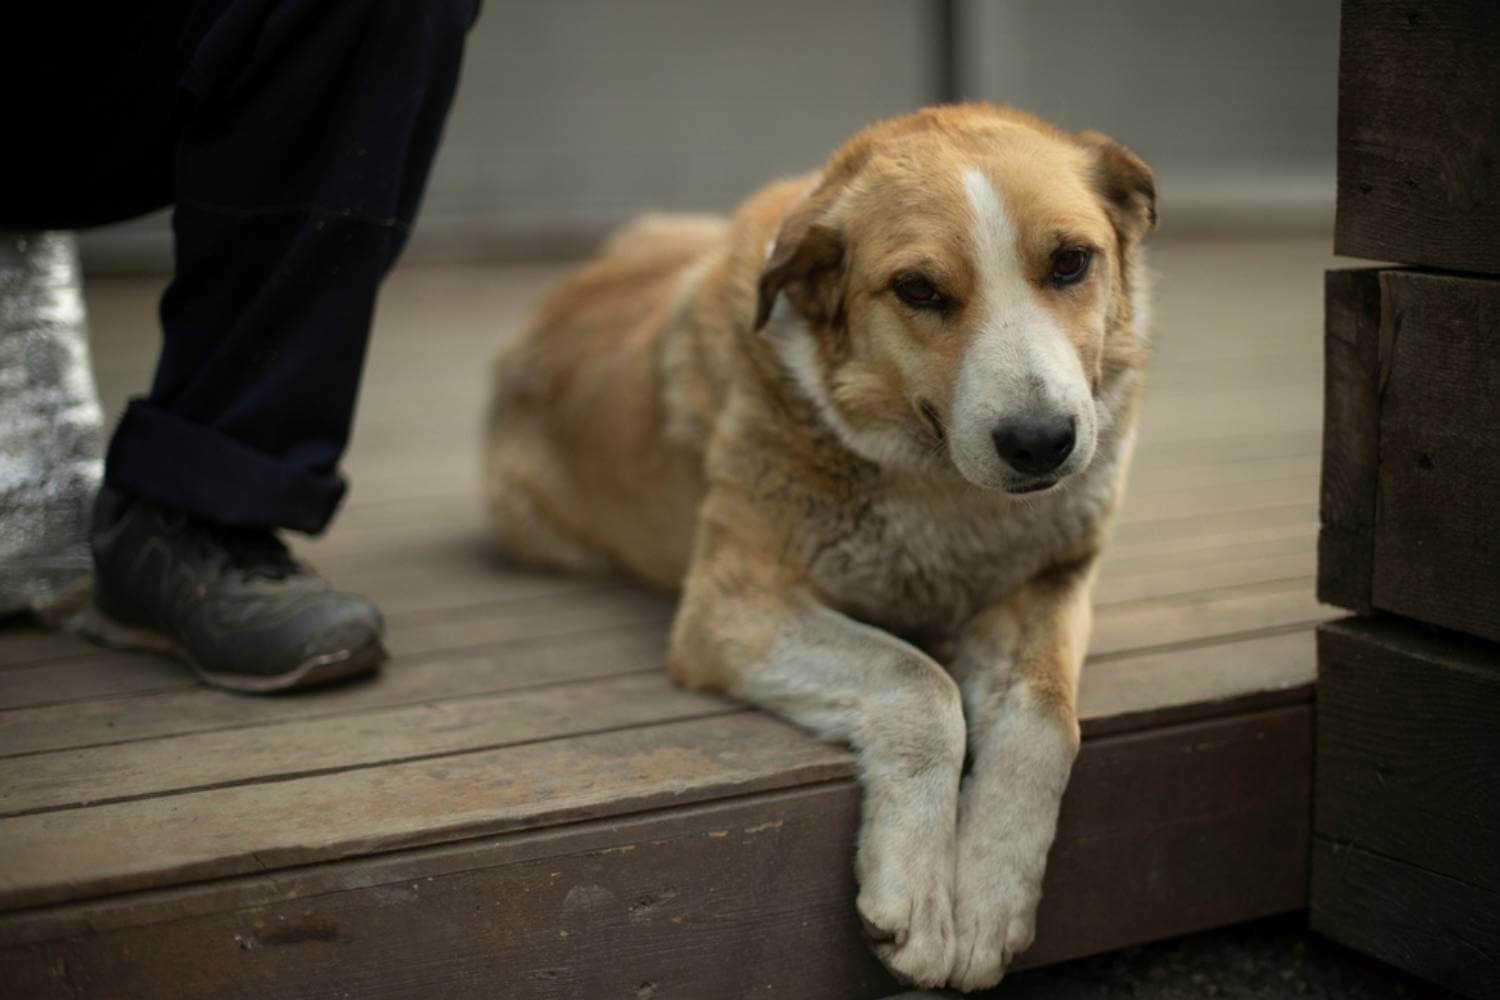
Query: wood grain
pixel 1118 694
pixel 343 743
pixel 401 837
pixel 1442 929
pixel 57 856
pixel 1409 746
pixel 1351 437
pixel 750 895
pixel 1407 864
pixel 192 708
pixel 1411 480
pixel 89 716
pixel 1437 553
pixel 1419 133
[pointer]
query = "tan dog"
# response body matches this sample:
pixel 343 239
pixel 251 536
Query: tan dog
pixel 874 426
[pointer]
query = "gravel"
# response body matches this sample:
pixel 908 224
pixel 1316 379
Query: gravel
pixel 1276 959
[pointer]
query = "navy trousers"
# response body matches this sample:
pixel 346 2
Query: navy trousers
pixel 293 140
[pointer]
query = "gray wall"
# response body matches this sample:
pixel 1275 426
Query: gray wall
pixel 574 114
pixel 1233 104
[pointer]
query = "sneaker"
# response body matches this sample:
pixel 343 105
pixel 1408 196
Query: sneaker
pixel 230 602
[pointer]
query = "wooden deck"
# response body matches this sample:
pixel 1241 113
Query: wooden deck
pixel 523 806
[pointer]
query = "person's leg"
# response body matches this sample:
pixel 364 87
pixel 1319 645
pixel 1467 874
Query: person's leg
pixel 304 147
pixel 92 112
pixel 294 137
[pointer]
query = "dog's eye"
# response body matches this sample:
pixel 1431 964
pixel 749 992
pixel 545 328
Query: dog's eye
pixel 917 292
pixel 1069 265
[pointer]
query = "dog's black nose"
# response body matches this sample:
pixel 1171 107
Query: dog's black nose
pixel 1035 445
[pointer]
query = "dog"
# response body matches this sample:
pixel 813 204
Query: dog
pixel 874 426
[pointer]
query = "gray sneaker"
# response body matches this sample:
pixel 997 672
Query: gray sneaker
pixel 230 602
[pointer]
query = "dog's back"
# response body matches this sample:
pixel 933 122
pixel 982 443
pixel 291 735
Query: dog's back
pixel 578 474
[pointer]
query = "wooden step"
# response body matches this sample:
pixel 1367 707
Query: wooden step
pixel 1407 860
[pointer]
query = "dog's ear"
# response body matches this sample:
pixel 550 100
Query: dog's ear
pixel 806 261
pixel 1125 182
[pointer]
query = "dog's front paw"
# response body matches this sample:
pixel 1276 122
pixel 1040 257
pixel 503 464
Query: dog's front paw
pixel 909 919
pixel 906 897
pixel 993 923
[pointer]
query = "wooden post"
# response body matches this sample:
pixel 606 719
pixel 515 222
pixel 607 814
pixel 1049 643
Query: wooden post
pixel 1406 858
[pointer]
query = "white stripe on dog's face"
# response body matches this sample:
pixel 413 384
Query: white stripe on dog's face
pixel 1020 362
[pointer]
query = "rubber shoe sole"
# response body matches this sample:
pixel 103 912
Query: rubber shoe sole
pixel 315 671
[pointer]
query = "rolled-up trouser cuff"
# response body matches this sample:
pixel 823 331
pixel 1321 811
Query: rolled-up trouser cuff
pixel 160 457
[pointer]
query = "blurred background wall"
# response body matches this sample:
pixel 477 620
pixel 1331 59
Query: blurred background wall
pixel 575 114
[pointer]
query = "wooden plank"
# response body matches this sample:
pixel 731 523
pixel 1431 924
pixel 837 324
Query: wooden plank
pixel 534 618
pixel 150 842
pixel 545 604
pixel 1137 624
pixel 193 708
pixel 1157 837
pixel 1409 746
pixel 1191 618
pixel 92 673
pixel 162 706
pixel 754 893
pixel 1178 534
pixel 1126 564
pixel 1116 695
pixel 1419 133
pixel 1143 690
pixel 1351 424
pixel 1411 482
pixel 1219 568
pixel 81 670
pixel 1221 498
pixel 421 563
pixel 1442 929
pixel 44 715
pixel 454 577
pixel 440 584
pixel 1407 817
pixel 75 854
pixel 1437 553
pixel 448 575
pixel 1233 447
pixel 344 743
pixel 572 609
pixel 1147 478
pixel 23 643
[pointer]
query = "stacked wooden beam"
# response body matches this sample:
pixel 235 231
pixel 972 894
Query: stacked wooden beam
pixel 1406 862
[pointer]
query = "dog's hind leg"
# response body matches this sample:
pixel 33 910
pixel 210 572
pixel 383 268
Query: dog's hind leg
pixel 524 521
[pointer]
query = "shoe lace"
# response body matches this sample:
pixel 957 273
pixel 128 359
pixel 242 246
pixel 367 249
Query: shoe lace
pixel 259 554
pixel 249 552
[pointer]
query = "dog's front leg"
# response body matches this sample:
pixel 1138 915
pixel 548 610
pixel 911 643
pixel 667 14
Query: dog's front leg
pixel 780 648
pixel 1017 666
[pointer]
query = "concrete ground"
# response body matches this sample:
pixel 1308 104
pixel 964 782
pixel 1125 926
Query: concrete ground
pixel 1276 959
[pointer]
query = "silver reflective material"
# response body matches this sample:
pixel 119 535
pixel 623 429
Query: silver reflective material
pixel 50 433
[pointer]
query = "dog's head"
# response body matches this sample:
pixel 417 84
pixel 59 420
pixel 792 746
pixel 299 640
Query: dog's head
pixel 956 292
